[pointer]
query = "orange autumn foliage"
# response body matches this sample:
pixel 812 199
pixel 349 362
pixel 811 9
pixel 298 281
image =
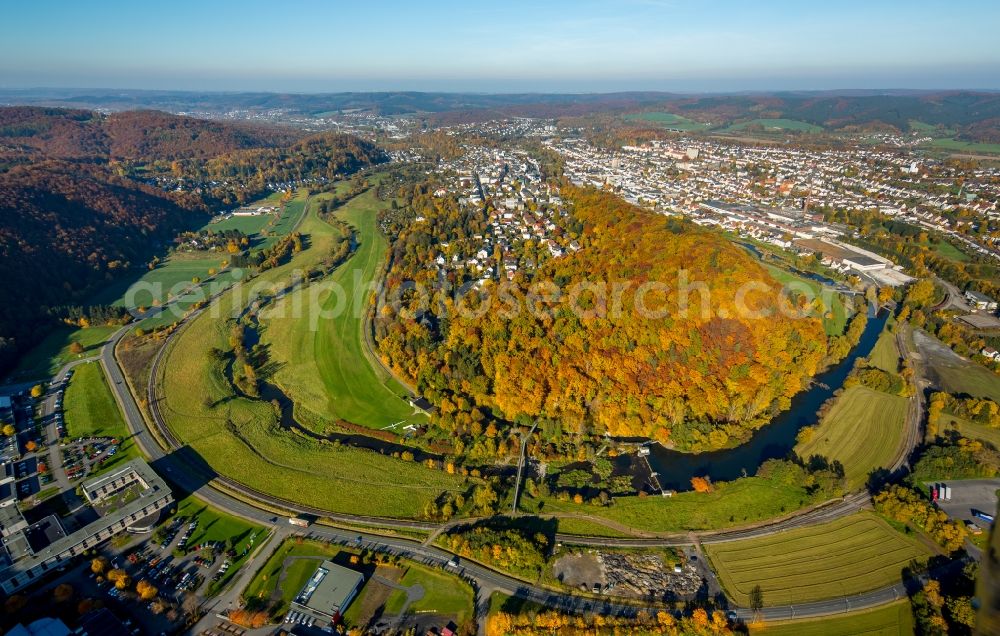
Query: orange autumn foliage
pixel 701 484
pixel 553 622
pixel 700 379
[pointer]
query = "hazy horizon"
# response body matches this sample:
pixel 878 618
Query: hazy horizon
pixel 558 47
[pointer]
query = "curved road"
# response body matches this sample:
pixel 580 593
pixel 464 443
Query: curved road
pixel 195 481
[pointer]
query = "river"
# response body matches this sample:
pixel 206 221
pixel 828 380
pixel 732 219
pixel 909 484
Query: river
pixel 823 280
pixel 774 440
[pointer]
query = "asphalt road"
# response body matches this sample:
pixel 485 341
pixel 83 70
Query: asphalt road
pixel 969 495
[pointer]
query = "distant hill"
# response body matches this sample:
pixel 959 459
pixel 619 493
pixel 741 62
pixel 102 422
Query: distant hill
pixel 974 114
pixel 136 135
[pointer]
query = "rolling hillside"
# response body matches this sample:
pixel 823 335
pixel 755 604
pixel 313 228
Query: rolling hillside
pixel 78 211
pixel 135 135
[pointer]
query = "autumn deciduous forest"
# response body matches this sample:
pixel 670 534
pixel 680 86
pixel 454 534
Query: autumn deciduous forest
pixel 86 198
pixel 701 380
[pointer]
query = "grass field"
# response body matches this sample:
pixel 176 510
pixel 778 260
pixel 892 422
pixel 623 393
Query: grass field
pixel 848 556
pixel 589 528
pixel 183 302
pixel 90 410
pixel 294 210
pixel 894 619
pixel 443 594
pixel 668 120
pixel 885 355
pixel 778 124
pixel 947 250
pixel 973 379
pixel 731 503
pixel 957 376
pixel 836 322
pixel 46 358
pixel 240 437
pixel 249 225
pixel 323 366
pixel 965 146
pixel 173 277
pixel 266 580
pixel 214 525
pixel 863 431
pixel 929 129
pixel 973 430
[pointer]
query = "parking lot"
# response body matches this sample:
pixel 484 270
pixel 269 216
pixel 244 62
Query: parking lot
pixel 969 496
pixel 84 455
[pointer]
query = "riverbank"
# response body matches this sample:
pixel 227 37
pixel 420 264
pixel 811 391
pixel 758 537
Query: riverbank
pixel 674 469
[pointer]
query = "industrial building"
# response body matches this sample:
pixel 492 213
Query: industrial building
pixel 127 499
pixel 981 302
pixel 327 593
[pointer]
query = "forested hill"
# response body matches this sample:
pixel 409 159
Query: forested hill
pixel 77 208
pixel 701 380
pixel 66 229
pixel 136 135
pixel 972 115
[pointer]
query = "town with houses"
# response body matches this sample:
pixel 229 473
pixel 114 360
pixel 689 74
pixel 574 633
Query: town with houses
pixel 523 208
pixel 769 194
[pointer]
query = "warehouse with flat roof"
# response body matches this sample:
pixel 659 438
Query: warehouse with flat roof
pixel 328 592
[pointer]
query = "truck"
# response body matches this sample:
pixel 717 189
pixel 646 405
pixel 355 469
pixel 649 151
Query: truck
pixel 979 514
pixel 299 521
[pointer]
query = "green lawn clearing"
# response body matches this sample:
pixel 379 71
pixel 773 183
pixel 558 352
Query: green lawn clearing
pixel 668 120
pixel 323 361
pixel 585 527
pixel 777 124
pixel 965 146
pixel 894 619
pixel 863 431
pixel 90 408
pixel 835 314
pixel 730 504
pixel 249 225
pixel 174 277
pixel 91 411
pixel 46 358
pixel 443 594
pixel 947 250
pixel 848 556
pixel 885 354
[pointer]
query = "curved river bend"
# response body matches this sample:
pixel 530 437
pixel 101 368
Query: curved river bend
pixel 674 469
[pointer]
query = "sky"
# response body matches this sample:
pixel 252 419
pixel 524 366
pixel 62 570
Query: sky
pixel 500 46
